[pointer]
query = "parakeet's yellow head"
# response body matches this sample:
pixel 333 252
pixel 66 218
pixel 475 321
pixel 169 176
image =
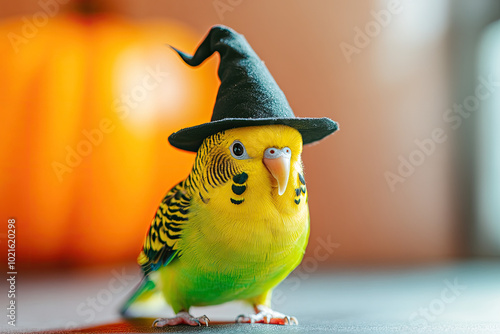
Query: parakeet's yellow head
pixel 254 164
pixel 270 150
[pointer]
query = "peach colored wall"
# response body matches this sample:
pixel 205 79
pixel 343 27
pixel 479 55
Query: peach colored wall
pixel 391 93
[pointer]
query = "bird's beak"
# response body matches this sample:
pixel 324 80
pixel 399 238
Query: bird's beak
pixel 279 167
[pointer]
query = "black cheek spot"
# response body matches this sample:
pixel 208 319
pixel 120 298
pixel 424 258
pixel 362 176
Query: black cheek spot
pixel 240 178
pixel 238 190
pixel 301 179
pixel 297 192
pixel 297 201
pixel 237 202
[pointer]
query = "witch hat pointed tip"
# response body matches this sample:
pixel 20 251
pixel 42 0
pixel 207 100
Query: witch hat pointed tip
pixel 188 59
pixel 173 48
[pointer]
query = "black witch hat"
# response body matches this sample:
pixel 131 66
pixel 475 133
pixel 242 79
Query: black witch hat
pixel 248 94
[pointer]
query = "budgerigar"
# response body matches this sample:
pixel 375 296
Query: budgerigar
pixel 234 228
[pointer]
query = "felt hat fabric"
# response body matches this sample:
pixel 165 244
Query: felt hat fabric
pixel 247 96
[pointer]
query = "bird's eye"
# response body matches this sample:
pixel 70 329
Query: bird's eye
pixel 238 150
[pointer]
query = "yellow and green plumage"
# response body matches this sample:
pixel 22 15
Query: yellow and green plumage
pixel 239 223
pixel 225 233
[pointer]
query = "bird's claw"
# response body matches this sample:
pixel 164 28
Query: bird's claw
pixel 267 316
pixel 290 320
pixel 182 318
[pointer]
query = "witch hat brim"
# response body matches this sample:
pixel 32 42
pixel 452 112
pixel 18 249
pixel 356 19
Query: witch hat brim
pixel 311 129
pixel 247 96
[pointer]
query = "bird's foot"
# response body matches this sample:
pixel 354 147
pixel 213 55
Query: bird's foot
pixel 265 315
pixel 181 318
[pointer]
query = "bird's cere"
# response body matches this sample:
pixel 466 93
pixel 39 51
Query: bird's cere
pixel 277 162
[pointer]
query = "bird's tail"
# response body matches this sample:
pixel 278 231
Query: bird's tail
pixel 143 292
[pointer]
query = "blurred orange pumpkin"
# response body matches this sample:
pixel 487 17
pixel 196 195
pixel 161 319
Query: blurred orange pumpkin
pixel 87 106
